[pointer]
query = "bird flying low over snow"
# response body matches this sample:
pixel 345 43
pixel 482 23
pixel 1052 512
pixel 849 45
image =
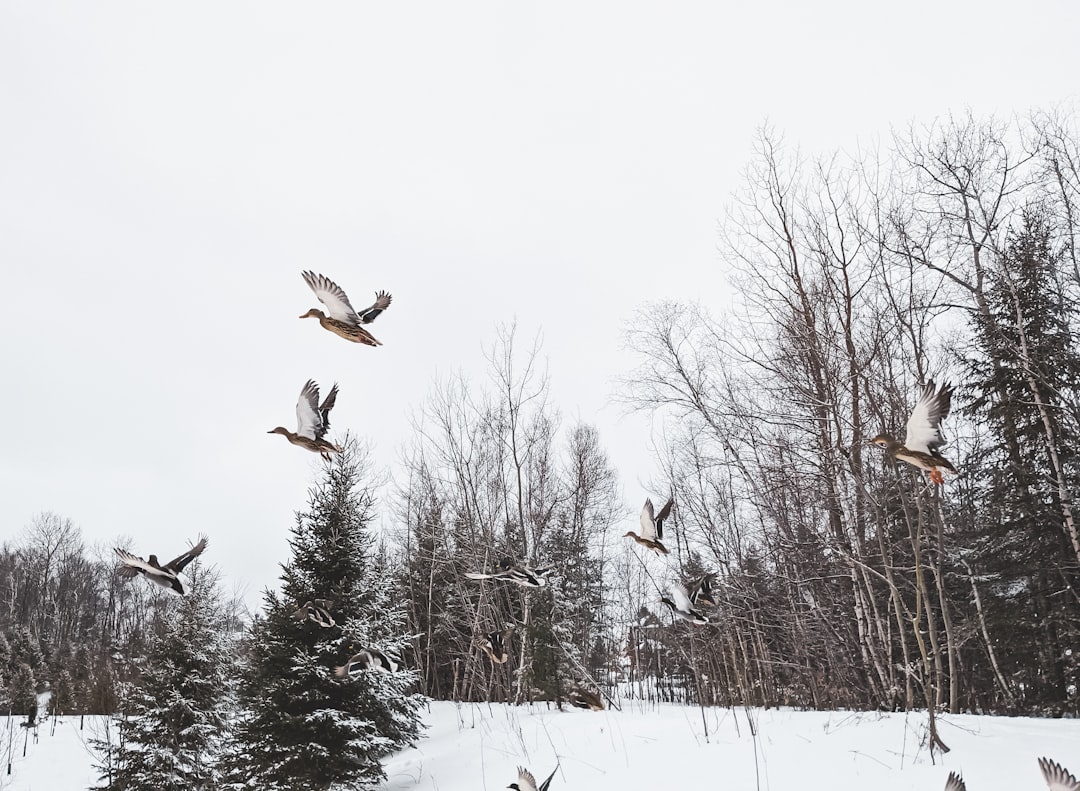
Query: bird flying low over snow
pixel 367 659
pixel 923 437
pixel 317 611
pixel 514 572
pixel 680 605
pixel 652 527
pixel 167 576
pixel 585 699
pixel 312 421
pixel 494 645
pixel 955 783
pixel 342 319
pixel 526 782
pixel 1057 777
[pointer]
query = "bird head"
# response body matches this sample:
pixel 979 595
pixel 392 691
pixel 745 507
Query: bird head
pixel 278 430
pixel 882 440
pixel 314 313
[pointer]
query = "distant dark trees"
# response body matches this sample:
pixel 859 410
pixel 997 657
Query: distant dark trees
pixel 64 610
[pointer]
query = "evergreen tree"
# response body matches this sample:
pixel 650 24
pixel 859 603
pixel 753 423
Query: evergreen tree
pixel 1025 342
pixel 176 715
pixel 25 649
pixel 22 694
pixel 62 699
pixel 305 728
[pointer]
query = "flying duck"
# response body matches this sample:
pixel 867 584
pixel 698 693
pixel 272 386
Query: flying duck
pixel 519 573
pixel 1057 777
pixel 343 320
pixel 585 699
pixel 312 421
pixel 681 606
pixel 923 437
pixel 526 782
pixel 167 576
pixel 366 659
pixel 699 590
pixel 317 611
pixel 494 645
pixel 652 527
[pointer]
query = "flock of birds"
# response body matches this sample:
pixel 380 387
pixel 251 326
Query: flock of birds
pixel 920 448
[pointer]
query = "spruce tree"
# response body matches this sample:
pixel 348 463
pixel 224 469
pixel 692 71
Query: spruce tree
pixel 305 728
pixel 62 699
pixel 1018 536
pixel 22 695
pixel 175 716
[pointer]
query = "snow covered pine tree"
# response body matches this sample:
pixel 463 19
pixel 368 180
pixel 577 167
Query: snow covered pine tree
pixel 303 727
pixel 175 717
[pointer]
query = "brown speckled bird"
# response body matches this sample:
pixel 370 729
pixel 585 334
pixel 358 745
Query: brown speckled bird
pixel 342 319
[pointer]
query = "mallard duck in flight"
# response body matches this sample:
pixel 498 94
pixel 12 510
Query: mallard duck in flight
pixel 519 573
pixel 923 436
pixel 367 659
pixel 585 699
pixel 342 319
pixel 699 590
pixel 312 421
pixel 526 782
pixel 167 576
pixel 680 605
pixel 652 527
pixel 317 611
pixel 494 645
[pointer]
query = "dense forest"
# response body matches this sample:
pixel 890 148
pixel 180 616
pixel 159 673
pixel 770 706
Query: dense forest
pixel 840 578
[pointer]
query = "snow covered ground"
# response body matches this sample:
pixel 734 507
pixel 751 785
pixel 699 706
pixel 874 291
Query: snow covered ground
pixel 476 747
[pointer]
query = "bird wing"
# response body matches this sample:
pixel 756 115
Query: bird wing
pixel 663 514
pixel 955 783
pixel 308 418
pixel 1057 777
pixel 330 294
pixel 369 314
pixel 136 564
pixel 544 785
pixel 702 584
pixel 648 523
pixel 681 597
pixel 924 426
pixel 324 412
pixel 301 613
pixel 476 575
pixel 176 565
pixel 526 782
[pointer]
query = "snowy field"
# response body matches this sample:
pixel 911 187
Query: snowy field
pixel 478 747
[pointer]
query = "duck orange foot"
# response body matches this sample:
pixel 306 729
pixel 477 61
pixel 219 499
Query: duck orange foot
pixel 936 476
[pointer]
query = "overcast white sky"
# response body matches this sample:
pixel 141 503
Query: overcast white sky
pixel 168 169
